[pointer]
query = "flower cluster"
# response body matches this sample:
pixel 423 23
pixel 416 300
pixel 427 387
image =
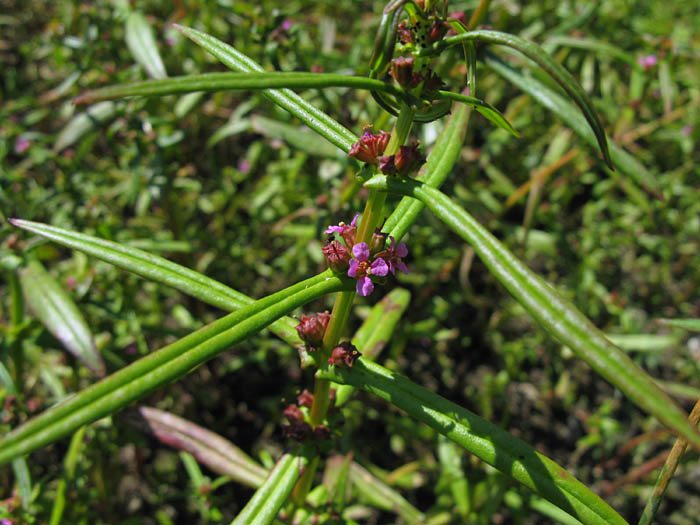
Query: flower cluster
pixel 370 146
pixel 298 428
pixel 345 355
pixel 312 328
pixel 361 260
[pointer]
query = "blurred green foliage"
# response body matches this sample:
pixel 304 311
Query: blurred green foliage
pixel 206 181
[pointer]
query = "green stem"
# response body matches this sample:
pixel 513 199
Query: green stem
pixel 16 320
pixel 343 302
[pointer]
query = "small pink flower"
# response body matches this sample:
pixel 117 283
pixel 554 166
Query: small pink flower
pixel 361 269
pixel 347 232
pixel 647 62
pixel 396 253
pixel 21 145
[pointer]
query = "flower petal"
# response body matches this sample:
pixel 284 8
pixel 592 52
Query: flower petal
pixel 354 220
pixel 401 266
pixel 352 271
pixel 365 286
pixel 361 251
pixel 379 267
pixel 401 250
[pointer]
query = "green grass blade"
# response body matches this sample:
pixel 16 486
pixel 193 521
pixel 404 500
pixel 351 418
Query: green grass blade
pixel 692 325
pixel 314 118
pixel 83 123
pixel 142 44
pixel 485 440
pixel 69 464
pixel 438 166
pixel 159 368
pixel 59 314
pixel 267 500
pixel 549 309
pixel 547 63
pixel 591 44
pixel 553 101
pixel 155 268
pixel 381 495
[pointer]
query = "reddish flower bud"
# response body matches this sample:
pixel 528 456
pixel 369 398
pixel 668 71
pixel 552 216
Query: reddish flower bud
pixel 377 242
pixel 386 165
pixel 405 33
pixel 297 430
pixel 321 433
pixel 402 71
pixel 293 413
pixel 433 82
pixel 311 329
pixel 344 355
pixel 407 159
pixel 370 146
pixel 437 31
pixel 305 399
pixel 337 256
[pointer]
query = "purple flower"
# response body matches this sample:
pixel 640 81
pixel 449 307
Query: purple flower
pixel 396 252
pixel 647 62
pixel 21 145
pixel 361 269
pixel 347 232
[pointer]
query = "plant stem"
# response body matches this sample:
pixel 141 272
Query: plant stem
pixel 16 320
pixel 371 218
pixel 667 471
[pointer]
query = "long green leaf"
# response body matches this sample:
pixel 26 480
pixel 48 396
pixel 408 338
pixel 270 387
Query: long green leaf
pixel 59 314
pixel 212 82
pixel 485 440
pixel 267 500
pixel 548 308
pixel 142 44
pixel 311 116
pixel 553 101
pixel 253 80
pixel 161 367
pixel 83 123
pixel 547 63
pixel 158 269
pixel 486 110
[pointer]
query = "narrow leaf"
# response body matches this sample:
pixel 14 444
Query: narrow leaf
pixel 553 101
pixel 159 368
pixel 268 499
pixel 487 110
pixel 82 124
pixel 485 440
pixel 69 463
pixel 210 449
pixel 158 269
pixel 213 82
pixel 59 314
pixel 687 324
pixel 547 63
pixel 382 496
pixel 316 119
pixel 142 44
pixel 548 308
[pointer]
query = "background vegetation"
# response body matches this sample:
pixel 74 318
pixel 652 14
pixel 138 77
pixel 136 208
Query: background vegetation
pixel 216 183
